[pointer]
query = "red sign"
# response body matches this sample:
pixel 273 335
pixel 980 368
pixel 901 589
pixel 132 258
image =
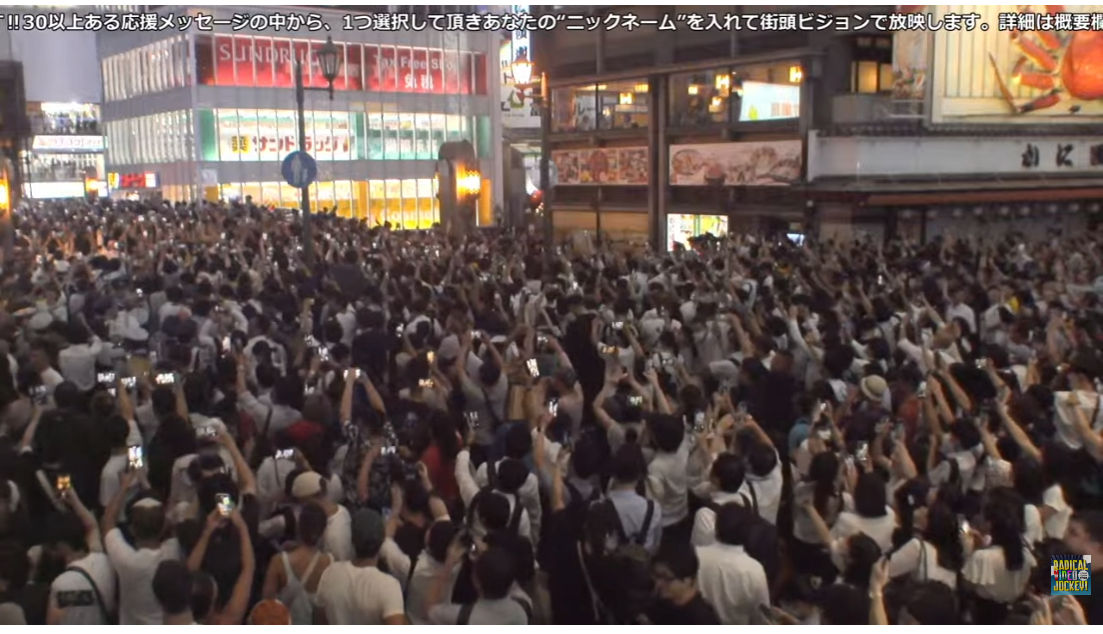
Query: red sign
pixel 132 181
pixel 245 61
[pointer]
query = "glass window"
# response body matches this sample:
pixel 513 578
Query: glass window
pixel 574 108
pixel 342 191
pixel 423 146
pixel 761 92
pixel 375 136
pixel 425 217
pixel 227 130
pixel 623 104
pixel 377 202
pixel 390 136
pixel 439 131
pixel 870 77
pixel 456 127
pixel 406 136
pixel 323 197
pixel 394 201
pixel 270 193
pixel 409 204
pixel 230 191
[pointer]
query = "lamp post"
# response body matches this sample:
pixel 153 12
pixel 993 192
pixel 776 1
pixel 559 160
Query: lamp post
pixel 522 70
pixel 330 63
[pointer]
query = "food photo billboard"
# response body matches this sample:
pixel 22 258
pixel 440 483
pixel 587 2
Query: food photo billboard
pixel 1022 63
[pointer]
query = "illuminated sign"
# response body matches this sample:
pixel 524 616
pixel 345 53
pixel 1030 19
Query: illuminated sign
pixel 517 107
pixel 268 135
pixel 138 180
pixel 1046 72
pixel 766 102
pixel 62 143
pixel 228 60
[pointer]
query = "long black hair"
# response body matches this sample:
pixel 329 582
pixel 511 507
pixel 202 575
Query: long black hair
pixel 943 532
pixel 1004 512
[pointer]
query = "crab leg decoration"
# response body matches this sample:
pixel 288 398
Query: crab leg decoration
pixel 1058 63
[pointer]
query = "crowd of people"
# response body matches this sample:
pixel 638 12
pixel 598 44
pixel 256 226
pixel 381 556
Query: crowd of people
pixel 200 423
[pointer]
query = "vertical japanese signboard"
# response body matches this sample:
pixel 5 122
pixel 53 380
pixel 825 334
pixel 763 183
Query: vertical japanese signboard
pixel 517 106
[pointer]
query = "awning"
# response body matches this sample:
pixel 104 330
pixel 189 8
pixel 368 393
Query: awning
pixel 876 192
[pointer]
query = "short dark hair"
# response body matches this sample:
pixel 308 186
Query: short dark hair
pixel 518 442
pixel 668 432
pixel 870 496
pixel 932 603
pixel 843 604
pixel 67 529
pixel 628 463
pixel 440 537
pixel 172 586
pixel 680 558
pixel 762 459
pixel 729 472
pixel 512 474
pixel 495 573
pixel 732 524
pixel 311 524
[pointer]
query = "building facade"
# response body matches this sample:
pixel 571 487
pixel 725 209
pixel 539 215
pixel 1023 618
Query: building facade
pixel 62 154
pixel 971 137
pixel 662 135
pixel 199 114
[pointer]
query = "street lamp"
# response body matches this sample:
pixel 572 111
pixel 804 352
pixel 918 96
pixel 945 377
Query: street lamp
pixel 330 63
pixel 522 70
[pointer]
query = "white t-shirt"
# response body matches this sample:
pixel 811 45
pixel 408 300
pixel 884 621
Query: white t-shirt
pixel 767 492
pixel 987 570
pixel 137 605
pixel 919 559
pixel 879 529
pixel 349 595
pixel 76 597
pixel 1033 531
pixel 1058 523
pixel 337 541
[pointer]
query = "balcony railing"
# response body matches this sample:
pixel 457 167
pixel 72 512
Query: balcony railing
pixel 851 109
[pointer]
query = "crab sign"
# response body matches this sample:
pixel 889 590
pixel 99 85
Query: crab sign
pixel 1059 64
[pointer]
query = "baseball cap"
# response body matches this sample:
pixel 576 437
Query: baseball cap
pixel 306 485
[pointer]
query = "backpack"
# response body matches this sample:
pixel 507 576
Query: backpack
pixel 628 570
pixel 491 488
pixel 763 544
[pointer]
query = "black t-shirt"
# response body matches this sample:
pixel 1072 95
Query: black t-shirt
pixel 696 612
pixel 570 596
pixel 33 599
pixel 1093 604
pixel 371 351
pixel 223 557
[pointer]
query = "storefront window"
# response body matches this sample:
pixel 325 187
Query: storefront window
pixel 439 131
pixel 762 92
pixel 231 191
pixel 406 136
pixel 574 109
pixel 377 202
pixel 342 190
pixel 425 207
pixel 375 136
pixel 394 201
pixel 623 105
pixel 457 127
pixel 423 148
pixel 409 204
pixel 390 136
